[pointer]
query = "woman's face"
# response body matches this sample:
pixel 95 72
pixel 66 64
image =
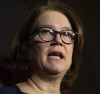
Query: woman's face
pixel 54 57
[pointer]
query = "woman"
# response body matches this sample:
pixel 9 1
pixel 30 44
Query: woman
pixel 46 51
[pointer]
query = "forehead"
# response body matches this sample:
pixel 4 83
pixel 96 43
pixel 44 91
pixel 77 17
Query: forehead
pixel 54 19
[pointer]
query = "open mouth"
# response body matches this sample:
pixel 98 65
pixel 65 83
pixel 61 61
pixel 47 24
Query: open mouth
pixel 56 54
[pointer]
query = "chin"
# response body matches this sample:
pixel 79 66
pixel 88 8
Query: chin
pixel 53 71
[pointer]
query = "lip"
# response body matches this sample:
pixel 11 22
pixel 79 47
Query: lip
pixel 56 53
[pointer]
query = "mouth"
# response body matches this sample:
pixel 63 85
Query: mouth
pixel 56 54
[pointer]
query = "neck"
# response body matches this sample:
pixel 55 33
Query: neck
pixel 44 86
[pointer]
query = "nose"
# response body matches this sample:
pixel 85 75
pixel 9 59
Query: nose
pixel 57 39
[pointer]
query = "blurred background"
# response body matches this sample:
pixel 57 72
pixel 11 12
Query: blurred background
pixel 12 14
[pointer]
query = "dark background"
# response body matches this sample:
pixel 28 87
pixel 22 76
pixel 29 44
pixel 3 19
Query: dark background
pixel 13 12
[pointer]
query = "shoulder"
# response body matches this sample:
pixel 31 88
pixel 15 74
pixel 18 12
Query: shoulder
pixel 10 90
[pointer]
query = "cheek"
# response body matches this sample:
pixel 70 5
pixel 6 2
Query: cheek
pixel 69 53
pixel 69 49
pixel 42 49
pixel 42 53
pixel 37 53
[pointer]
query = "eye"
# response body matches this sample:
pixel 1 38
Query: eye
pixel 65 33
pixel 46 31
pixel 45 34
pixel 69 33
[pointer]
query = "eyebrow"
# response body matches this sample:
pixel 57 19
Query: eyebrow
pixel 53 27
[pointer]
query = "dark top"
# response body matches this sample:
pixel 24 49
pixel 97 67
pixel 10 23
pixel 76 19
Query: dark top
pixel 11 90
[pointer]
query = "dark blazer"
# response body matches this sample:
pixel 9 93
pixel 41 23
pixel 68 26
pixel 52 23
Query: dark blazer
pixel 10 90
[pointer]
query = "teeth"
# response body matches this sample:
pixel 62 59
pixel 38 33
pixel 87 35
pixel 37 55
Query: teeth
pixel 54 56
